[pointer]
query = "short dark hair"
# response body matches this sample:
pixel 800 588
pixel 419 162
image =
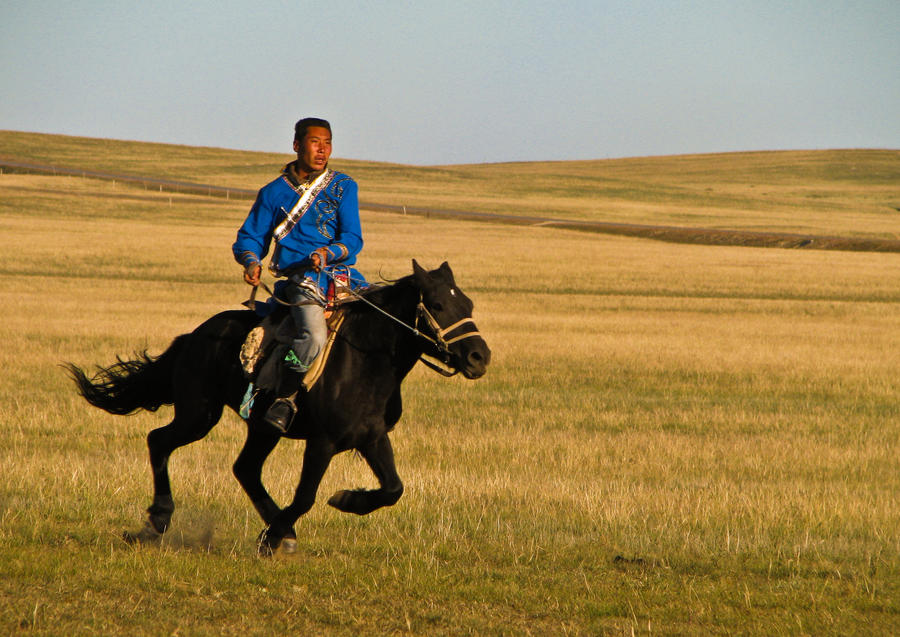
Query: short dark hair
pixel 307 122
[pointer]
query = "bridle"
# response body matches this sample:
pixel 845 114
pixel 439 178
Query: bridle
pixel 439 340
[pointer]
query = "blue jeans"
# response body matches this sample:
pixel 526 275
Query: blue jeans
pixel 310 321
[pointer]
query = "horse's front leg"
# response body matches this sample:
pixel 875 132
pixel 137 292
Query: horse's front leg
pixel 316 458
pixel 261 440
pixel 380 456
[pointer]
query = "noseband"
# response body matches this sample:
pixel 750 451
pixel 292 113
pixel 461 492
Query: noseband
pixel 443 344
pixel 439 341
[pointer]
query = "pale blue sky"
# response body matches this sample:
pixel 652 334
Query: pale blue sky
pixel 459 82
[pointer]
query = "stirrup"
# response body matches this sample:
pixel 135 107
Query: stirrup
pixel 281 413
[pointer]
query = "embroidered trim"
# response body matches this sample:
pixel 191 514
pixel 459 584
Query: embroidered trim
pixel 327 207
pixel 343 251
pixel 303 203
pixel 247 257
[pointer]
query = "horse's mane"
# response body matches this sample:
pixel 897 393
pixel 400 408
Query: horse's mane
pixel 385 288
pixel 381 294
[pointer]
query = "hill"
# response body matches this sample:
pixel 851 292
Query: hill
pixel 853 194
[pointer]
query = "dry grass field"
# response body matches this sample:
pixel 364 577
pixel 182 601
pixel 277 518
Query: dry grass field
pixel 671 439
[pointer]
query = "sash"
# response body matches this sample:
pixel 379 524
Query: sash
pixel 309 195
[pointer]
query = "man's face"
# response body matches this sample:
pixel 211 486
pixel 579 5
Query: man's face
pixel 314 149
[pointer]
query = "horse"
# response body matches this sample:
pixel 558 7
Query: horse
pixel 354 405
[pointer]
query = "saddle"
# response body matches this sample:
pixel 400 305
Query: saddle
pixel 267 343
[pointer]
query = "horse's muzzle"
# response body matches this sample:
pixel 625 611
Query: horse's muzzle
pixel 476 358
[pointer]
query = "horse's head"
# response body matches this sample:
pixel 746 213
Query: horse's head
pixel 447 316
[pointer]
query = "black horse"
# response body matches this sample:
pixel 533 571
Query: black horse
pixel 354 404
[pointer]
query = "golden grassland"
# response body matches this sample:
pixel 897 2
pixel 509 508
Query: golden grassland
pixel 671 439
pixel 849 193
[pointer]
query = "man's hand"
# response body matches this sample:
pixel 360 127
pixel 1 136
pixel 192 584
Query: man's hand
pixel 252 273
pixel 319 258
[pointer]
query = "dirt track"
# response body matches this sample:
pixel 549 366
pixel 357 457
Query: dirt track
pixel 674 234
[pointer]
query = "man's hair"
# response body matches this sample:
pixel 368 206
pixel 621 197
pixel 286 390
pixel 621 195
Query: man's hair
pixel 307 122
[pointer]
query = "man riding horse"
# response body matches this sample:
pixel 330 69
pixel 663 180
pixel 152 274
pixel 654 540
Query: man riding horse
pixel 312 213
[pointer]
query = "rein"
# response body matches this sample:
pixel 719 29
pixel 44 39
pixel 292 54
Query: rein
pixel 250 302
pixel 439 341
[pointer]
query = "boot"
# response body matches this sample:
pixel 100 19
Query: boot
pixel 281 413
pixel 283 409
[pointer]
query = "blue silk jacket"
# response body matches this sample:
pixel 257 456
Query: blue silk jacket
pixel 301 218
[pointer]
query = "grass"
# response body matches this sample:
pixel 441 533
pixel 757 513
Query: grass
pixel 671 439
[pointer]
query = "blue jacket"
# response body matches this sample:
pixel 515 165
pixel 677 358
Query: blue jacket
pixel 330 219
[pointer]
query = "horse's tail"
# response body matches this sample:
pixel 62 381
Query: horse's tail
pixel 127 386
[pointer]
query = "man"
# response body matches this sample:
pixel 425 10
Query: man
pixel 312 213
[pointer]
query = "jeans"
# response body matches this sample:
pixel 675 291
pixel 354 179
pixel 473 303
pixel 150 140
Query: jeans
pixel 310 321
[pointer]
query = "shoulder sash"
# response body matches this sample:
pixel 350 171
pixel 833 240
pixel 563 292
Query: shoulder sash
pixel 303 203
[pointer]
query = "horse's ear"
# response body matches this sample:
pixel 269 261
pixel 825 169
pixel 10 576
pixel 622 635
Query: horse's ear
pixel 420 274
pixel 446 271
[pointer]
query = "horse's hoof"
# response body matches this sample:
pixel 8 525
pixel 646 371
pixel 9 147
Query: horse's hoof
pixel 342 501
pixel 288 546
pixel 147 535
pixel 358 501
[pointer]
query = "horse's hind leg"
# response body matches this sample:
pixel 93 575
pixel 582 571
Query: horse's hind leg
pixel 189 425
pixel 380 457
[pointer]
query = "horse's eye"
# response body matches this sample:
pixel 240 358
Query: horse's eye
pixel 437 307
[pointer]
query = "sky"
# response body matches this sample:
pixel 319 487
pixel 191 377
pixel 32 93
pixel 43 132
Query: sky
pixel 437 82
